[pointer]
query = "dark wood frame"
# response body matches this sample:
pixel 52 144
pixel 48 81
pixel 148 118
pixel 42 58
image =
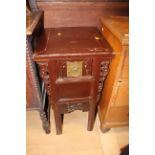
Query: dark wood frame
pixel 50 71
pixel 35 86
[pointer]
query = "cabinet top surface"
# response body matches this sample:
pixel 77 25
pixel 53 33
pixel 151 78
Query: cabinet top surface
pixel 119 26
pixel 72 41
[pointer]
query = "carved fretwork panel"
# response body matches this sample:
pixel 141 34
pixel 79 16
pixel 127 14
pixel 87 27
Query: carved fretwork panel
pixel 104 68
pixel 45 76
pixel 65 66
pixel 70 107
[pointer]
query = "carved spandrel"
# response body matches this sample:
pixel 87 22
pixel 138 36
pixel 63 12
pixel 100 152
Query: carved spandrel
pixel 104 68
pixel 71 108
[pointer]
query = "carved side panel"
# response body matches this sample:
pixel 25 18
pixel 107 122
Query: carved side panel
pixel 45 76
pixel 104 68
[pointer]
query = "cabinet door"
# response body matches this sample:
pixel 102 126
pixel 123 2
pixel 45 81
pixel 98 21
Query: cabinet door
pixel 119 109
pixel 121 94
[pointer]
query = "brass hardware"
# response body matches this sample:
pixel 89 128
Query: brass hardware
pixel 74 69
pixel 97 38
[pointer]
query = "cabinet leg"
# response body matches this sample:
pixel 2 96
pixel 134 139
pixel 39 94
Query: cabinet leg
pixel 91 117
pixel 58 121
pixel 104 129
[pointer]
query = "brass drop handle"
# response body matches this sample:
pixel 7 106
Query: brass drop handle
pixel 120 81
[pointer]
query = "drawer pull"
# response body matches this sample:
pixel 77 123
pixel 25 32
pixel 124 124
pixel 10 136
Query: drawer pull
pixel 120 81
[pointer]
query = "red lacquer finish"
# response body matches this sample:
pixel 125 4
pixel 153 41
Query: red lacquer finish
pixel 73 63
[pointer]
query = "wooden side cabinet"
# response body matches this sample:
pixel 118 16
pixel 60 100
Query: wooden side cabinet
pixel 114 105
pixel 73 64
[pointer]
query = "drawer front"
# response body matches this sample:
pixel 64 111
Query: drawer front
pixel 67 85
pixel 74 90
pixel 70 107
pixel 74 79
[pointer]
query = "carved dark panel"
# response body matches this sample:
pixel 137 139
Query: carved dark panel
pixel 104 67
pixel 70 107
pixel 45 76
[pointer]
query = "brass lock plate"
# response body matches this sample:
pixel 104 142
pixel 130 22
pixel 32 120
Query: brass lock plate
pixel 74 69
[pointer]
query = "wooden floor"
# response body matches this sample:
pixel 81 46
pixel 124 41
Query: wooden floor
pixel 75 140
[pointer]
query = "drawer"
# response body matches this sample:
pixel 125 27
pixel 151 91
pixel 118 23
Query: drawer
pixel 74 79
pixel 74 90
